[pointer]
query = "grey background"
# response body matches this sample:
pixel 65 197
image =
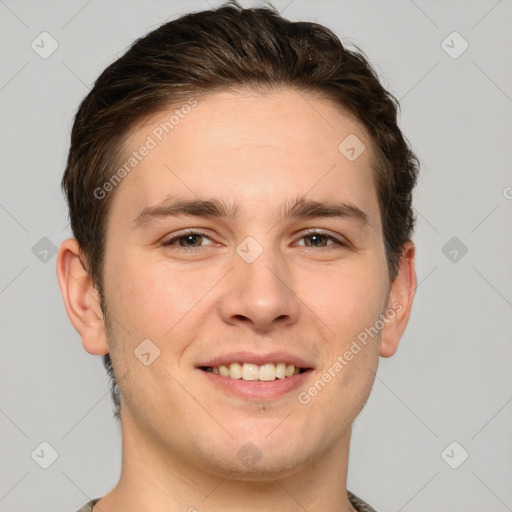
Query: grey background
pixel 451 377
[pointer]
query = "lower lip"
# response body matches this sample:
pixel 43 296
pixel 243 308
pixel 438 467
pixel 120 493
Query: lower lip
pixel 256 389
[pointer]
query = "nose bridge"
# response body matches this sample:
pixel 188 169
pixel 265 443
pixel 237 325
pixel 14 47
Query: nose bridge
pixel 261 292
pixel 263 273
pixel 266 273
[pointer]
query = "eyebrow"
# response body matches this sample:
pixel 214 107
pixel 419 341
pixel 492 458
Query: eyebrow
pixel 299 208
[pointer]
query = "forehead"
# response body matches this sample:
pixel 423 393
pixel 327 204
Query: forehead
pixel 257 147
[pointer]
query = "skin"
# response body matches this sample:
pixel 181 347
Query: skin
pixel 181 434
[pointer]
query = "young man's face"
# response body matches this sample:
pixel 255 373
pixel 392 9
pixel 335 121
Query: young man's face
pixel 254 287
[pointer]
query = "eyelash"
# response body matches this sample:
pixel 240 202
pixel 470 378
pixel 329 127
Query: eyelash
pixel 338 241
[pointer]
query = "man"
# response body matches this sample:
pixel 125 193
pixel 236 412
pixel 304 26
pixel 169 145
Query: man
pixel 240 196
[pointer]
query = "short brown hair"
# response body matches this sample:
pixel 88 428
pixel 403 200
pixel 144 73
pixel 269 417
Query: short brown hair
pixel 218 49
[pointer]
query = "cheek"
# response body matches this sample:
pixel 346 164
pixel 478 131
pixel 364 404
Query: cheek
pixel 136 296
pixel 151 297
pixel 351 299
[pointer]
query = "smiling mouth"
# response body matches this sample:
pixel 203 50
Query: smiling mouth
pixel 249 371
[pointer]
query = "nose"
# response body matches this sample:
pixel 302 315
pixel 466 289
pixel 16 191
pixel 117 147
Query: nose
pixel 260 294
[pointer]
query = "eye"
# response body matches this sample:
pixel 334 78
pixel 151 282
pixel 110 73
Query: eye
pixel 194 240
pixel 188 240
pixel 320 238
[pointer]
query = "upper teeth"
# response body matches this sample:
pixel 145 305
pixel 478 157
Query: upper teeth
pixel 249 371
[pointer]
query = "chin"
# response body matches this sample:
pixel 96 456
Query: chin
pixel 264 466
pixel 251 457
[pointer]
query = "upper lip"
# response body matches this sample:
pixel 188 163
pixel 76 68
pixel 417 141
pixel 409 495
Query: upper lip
pixel 259 359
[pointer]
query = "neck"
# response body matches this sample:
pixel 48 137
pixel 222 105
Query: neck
pixel 153 479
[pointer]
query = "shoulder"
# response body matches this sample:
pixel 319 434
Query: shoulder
pixel 357 503
pixel 88 506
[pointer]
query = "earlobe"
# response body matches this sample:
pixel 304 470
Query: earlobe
pixel 81 298
pixel 400 301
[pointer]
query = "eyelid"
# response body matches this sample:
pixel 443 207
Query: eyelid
pixel 338 239
pixel 341 240
pixel 189 231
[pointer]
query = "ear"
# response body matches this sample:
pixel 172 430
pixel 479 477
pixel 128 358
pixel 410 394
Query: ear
pixel 81 298
pixel 400 300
